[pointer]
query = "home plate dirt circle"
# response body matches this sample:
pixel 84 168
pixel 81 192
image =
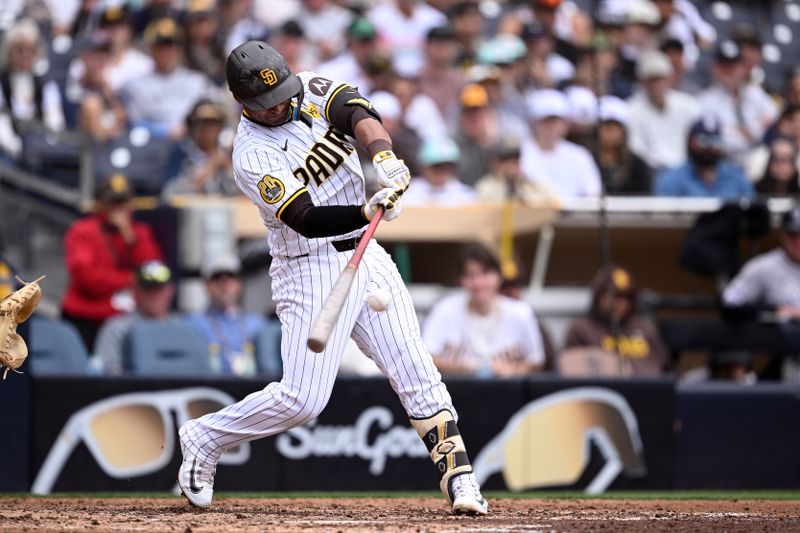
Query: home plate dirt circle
pixel 395 515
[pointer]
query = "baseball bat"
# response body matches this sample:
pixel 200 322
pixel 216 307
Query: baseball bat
pixel 329 314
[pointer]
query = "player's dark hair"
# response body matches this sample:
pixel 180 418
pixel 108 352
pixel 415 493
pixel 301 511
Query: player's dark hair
pixel 480 254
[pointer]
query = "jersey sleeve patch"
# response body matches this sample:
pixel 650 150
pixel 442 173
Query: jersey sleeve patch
pixel 319 85
pixel 271 189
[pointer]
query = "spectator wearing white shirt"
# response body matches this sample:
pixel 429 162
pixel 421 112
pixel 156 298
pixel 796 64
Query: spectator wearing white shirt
pixel 324 24
pixel 402 26
pixel 480 332
pixel 438 185
pixel 682 21
pixel 161 100
pixel 126 63
pixel 350 65
pixel 745 109
pixel 547 158
pixel 660 117
pixel 419 110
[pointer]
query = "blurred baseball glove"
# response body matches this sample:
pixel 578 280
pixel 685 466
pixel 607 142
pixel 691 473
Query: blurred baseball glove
pixel 15 309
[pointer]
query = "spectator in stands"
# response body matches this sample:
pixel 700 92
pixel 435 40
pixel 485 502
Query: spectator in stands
pixel 351 64
pixel 747 39
pixel 660 117
pixel 228 330
pixel 467 21
pixel 506 180
pixel 205 166
pixel 151 10
pixel 439 78
pixel 419 110
pixel 127 63
pixel 480 332
pixel 570 26
pixel 621 170
pixel 402 26
pixel 102 251
pixel 161 100
pixel 613 326
pixel 153 291
pixel 507 52
pixel 679 80
pixel 479 129
pixel 544 66
pixel 681 20
pixel 203 52
pixel 291 42
pixel 788 127
pixel 24 94
pixel 439 185
pixel 771 283
pixel 596 67
pixel 99 111
pixel 642 20
pixel 745 109
pixel 781 177
pixel 324 23
pixel 549 159
pixel 706 173
pixel 237 25
pixel 515 124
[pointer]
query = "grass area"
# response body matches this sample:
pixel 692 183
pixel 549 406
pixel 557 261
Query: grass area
pixel 550 495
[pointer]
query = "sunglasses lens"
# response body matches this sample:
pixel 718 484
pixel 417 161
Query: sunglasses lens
pixel 129 436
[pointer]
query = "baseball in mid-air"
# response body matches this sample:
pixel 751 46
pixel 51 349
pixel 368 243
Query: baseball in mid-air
pixel 379 300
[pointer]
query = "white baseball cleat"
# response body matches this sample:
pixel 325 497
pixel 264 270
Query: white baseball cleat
pixel 467 497
pixel 196 478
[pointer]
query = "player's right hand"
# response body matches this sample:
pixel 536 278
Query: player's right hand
pixel 391 172
pixel 389 198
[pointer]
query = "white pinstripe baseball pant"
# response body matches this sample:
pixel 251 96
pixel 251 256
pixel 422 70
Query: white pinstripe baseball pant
pixel 391 339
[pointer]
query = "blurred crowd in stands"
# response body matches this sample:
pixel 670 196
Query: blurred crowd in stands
pixel 486 100
pixel 642 97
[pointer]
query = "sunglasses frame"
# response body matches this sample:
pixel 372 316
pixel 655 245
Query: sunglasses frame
pixel 491 460
pixel 77 429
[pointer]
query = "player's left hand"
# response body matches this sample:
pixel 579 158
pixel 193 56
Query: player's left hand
pixel 389 198
pixel 392 172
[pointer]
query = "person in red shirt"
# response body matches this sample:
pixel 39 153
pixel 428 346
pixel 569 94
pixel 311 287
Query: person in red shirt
pixel 102 251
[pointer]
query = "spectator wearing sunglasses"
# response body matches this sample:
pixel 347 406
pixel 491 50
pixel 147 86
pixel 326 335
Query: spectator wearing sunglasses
pixel 706 173
pixel 153 291
pixel 228 330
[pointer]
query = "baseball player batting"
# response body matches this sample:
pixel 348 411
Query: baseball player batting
pixel 293 157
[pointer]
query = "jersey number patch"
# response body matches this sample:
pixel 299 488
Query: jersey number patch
pixel 271 189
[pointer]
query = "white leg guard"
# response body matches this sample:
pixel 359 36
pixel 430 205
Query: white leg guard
pixel 440 434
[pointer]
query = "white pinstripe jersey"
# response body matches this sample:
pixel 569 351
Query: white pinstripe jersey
pixel 274 165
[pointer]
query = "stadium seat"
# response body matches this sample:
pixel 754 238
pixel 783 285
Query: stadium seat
pixel 55 348
pixel 147 163
pixel 268 348
pixel 165 349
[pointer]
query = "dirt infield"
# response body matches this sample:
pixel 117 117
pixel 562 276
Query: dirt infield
pixel 395 514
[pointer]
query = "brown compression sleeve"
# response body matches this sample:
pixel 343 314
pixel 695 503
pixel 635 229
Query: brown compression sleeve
pixel 312 221
pixel 348 108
